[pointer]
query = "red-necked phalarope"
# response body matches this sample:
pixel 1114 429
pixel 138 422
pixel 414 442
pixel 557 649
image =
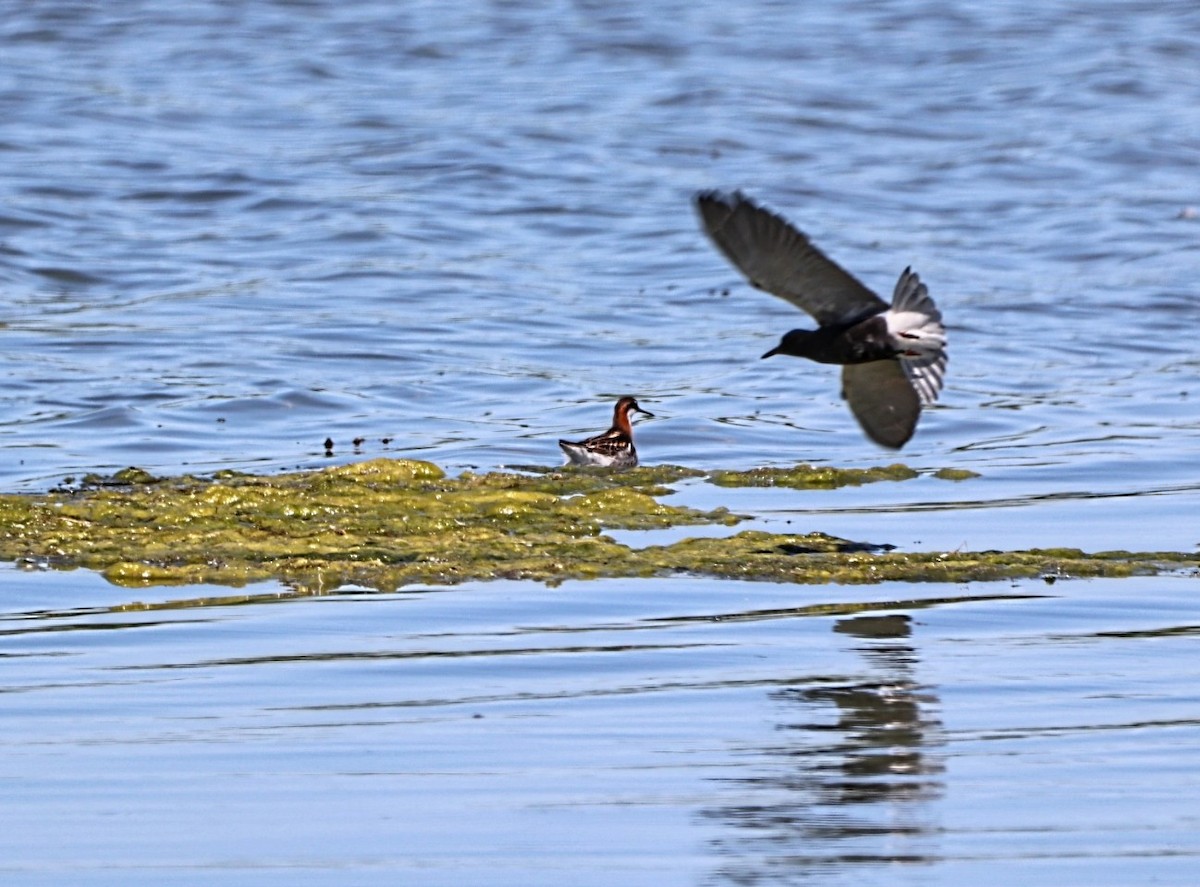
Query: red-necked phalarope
pixel 612 449
pixel 893 356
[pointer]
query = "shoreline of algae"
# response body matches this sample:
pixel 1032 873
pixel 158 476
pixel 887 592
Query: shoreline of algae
pixel 385 524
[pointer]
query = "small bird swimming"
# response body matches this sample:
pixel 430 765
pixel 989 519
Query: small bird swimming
pixel 612 449
pixel 893 357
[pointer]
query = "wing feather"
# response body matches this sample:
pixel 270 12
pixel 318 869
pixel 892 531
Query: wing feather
pixel 882 400
pixel 778 258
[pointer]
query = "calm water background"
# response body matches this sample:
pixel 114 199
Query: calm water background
pixel 231 230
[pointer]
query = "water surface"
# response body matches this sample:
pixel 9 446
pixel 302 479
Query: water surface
pixel 231 231
pixel 647 732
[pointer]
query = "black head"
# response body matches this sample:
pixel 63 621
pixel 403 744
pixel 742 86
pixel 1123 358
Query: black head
pixel 797 343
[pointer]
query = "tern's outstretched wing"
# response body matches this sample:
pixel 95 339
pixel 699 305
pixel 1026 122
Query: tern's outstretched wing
pixel 778 258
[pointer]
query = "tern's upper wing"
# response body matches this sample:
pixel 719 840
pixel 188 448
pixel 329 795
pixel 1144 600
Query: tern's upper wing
pixel 882 400
pixel 778 258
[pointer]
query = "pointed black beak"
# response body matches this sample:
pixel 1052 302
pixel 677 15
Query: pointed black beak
pixel 644 412
pixel 770 353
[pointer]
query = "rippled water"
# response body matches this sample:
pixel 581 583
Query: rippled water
pixel 231 230
pixel 666 732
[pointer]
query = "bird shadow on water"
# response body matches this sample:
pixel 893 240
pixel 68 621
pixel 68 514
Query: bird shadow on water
pixel 855 778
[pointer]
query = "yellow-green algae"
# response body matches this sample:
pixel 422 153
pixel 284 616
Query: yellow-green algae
pixel 388 523
pixel 955 474
pixel 800 477
pixel 807 477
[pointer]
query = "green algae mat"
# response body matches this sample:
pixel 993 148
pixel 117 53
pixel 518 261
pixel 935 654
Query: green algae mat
pixel 388 523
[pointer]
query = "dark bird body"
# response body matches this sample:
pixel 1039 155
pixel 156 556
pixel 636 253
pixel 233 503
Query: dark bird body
pixel 893 356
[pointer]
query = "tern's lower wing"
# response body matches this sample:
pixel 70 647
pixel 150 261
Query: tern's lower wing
pixel 882 400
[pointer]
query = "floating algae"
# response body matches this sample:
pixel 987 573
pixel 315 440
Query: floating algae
pixel 954 474
pixel 380 524
pixel 808 477
pixel 387 523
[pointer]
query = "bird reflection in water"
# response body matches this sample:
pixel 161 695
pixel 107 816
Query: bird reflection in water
pixel 858 789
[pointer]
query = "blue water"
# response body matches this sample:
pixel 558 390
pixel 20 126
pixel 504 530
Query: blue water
pixel 678 731
pixel 230 231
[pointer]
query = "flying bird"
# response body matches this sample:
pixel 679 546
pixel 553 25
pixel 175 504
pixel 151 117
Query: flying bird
pixel 893 357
